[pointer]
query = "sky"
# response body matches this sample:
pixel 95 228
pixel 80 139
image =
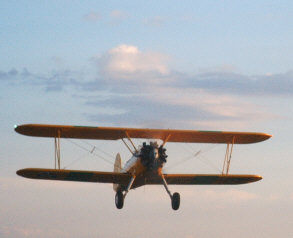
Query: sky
pixel 202 65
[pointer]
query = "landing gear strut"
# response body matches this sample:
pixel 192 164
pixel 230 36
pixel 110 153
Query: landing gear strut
pixel 119 197
pixel 175 198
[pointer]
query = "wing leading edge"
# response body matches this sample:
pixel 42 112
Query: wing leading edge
pixel 115 133
pixel 124 178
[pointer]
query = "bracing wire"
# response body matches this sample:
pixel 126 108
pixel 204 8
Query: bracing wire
pixel 203 159
pixel 184 160
pixel 91 151
pixel 97 148
pixel 198 155
pixel 74 161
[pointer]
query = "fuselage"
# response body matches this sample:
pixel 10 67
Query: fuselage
pixel 134 166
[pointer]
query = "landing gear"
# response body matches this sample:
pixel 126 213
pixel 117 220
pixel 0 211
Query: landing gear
pixel 119 199
pixel 175 198
pixel 175 201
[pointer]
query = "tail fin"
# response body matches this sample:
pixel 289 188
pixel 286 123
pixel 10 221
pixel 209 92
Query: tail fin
pixel 117 169
pixel 117 165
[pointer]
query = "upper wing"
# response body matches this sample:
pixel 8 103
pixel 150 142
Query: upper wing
pixel 115 133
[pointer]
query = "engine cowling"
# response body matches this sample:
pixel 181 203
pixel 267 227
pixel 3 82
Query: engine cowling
pixel 152 156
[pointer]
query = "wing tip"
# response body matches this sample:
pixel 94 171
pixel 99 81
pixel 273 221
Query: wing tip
pixel 16 128
pixel 22 173
pixel 267 136
pixel 258 178
pixel 21 128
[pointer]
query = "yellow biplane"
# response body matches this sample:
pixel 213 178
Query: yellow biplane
pixel 147 161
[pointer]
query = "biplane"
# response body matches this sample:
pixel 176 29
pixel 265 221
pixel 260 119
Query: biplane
pixel 145 165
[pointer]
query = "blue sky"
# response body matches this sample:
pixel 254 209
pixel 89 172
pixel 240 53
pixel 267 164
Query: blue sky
pixel 212 65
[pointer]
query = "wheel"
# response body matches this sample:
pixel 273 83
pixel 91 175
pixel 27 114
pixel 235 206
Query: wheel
pixel 119 199
pixel 175 201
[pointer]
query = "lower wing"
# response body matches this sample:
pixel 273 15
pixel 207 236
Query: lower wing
pixel 124 178
pixel 210 179
pixel 75 175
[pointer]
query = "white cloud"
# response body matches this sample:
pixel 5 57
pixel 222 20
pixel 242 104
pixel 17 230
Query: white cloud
pixel 128 62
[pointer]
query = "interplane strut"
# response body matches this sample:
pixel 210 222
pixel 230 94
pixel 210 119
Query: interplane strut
pixel 228 157
pixel 57 151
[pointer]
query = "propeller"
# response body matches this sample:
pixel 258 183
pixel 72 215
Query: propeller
pixel 152 155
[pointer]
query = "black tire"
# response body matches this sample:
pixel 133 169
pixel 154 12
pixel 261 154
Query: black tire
pixel 175 201
pixel 119 199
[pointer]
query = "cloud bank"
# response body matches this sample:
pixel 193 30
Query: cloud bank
pixel 135 87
